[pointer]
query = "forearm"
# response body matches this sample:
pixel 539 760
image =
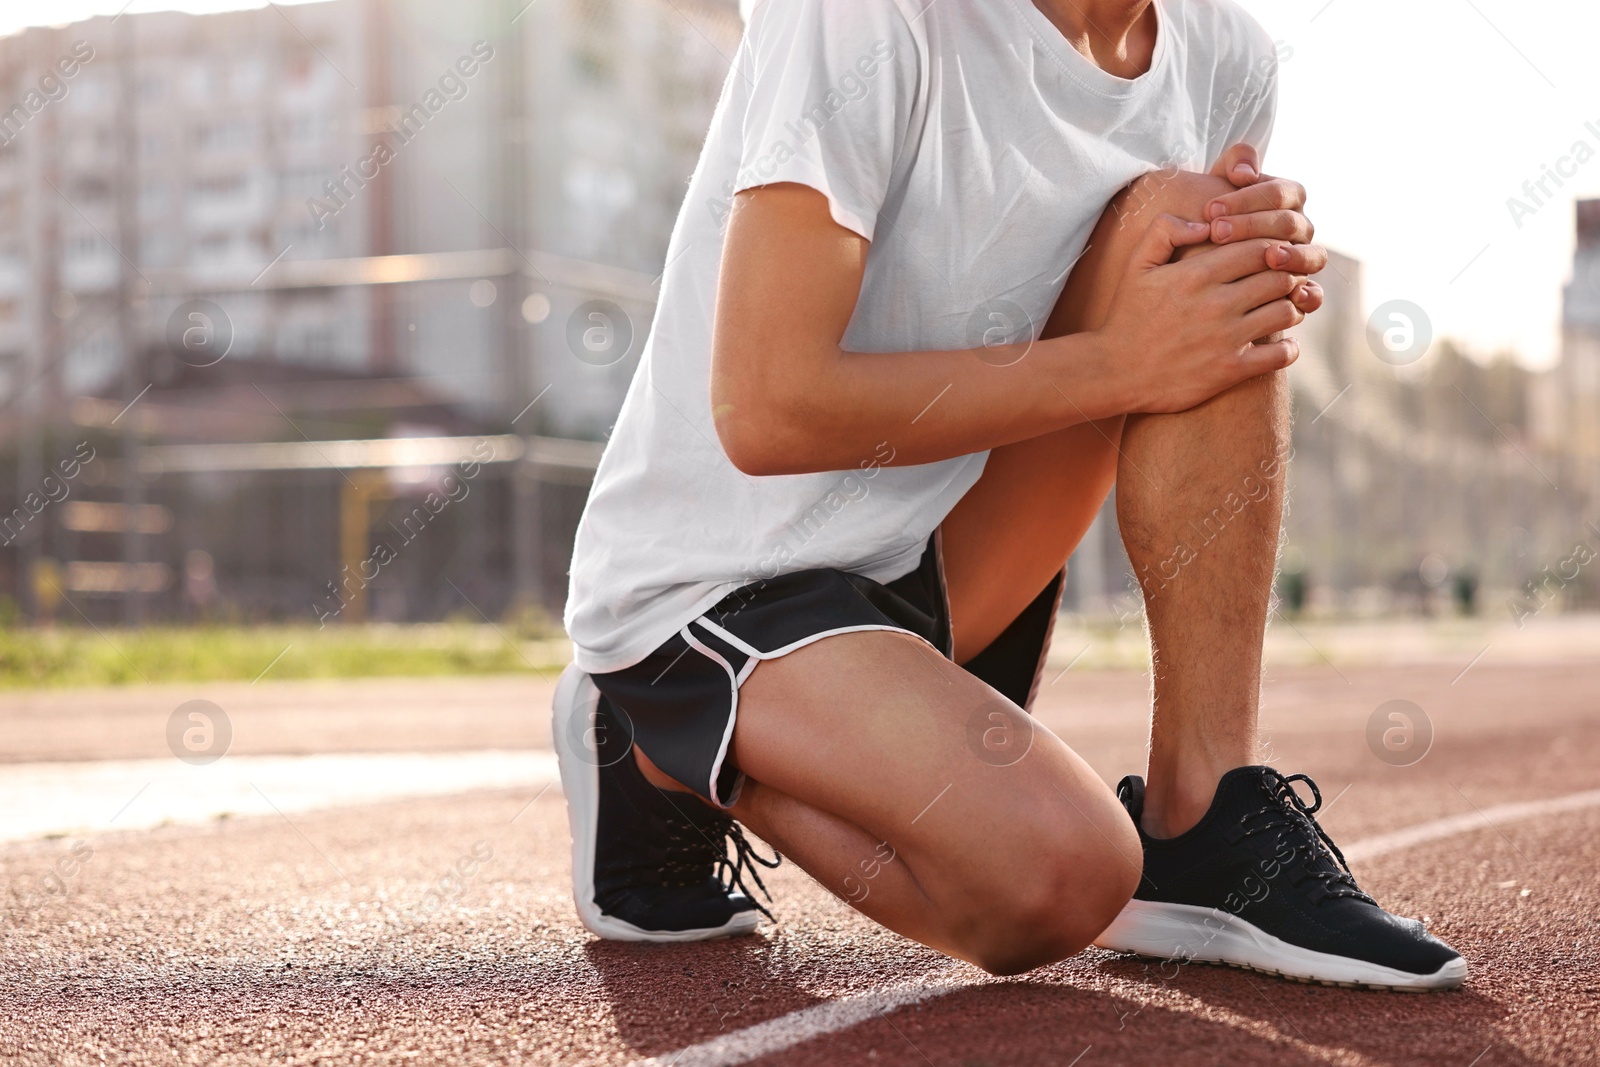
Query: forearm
pixel 927 406
pixel 1141 333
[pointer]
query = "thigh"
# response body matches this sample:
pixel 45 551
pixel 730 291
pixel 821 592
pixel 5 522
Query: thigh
pixel 967 789
pixel 1013 531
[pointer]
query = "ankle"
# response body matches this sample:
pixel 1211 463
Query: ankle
pixel 1175 799
pixel 1187 761
pixel 1168 813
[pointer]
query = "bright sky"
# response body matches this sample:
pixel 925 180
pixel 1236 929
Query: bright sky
pixel 1411 122
pixel 15 14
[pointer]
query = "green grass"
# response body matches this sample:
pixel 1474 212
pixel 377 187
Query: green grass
pixel 82 656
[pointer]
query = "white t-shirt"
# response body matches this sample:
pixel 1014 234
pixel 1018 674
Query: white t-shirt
pixel 975 149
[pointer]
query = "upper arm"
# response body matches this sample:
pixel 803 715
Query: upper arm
pixel 834 93
pixel 788 286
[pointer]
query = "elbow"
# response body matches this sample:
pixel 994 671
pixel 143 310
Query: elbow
pixel 768 422
pixel 753 442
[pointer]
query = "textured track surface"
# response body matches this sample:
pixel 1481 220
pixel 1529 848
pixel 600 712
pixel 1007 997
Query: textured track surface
pixel 439 930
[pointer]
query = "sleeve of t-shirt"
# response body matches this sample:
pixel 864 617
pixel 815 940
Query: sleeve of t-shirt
pixel 1252 97
pixel 832 95
pixel 1255 126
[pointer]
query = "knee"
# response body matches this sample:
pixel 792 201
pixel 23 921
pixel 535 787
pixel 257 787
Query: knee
pixel 1052 904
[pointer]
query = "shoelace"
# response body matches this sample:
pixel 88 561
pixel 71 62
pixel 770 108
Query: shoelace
pixel 745 860
pixel 692 847
pixel 1290 812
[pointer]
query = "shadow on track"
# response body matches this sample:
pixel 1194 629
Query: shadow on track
pixel 663 997
pixel 1396 1029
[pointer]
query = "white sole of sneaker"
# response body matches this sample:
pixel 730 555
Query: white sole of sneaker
pixel 575 701
pixel 1206 935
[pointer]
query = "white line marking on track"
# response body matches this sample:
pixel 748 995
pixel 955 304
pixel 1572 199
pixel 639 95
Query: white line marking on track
pixel 830 1017
pixel 1488 818
pixel 786 1031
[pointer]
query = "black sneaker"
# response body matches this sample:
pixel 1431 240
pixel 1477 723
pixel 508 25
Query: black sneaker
pixel 647 865
pixel 1258 884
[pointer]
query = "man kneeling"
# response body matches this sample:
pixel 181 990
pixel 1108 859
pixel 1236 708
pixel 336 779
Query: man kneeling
pixel 945 276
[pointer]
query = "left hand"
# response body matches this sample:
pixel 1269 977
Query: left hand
pixel 1264 206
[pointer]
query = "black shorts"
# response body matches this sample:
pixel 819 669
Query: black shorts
pixel 679 703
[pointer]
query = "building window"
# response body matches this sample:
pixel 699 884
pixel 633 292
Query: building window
pixel 220 186
pixel 232 133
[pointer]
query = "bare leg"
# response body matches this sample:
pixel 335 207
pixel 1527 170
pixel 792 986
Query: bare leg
pixel 1201 529
pixel 864 770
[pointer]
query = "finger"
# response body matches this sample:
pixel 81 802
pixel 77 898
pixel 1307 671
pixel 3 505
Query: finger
pixel 1266 195
pixel 1261 289
pixel 1167 234
pixel 1308 297
pixel 1264 359
pixel 1298 259
pixel 1281 223
pixel 1230 262
pixel 1272 317
pixel 1240 165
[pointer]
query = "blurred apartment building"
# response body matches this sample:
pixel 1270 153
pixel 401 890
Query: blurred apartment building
pixel 391 209
pixel 394 211
pixel 1568 400
pixel 243 142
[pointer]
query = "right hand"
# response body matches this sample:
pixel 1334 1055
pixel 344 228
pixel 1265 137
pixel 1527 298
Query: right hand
pixel 1180 333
